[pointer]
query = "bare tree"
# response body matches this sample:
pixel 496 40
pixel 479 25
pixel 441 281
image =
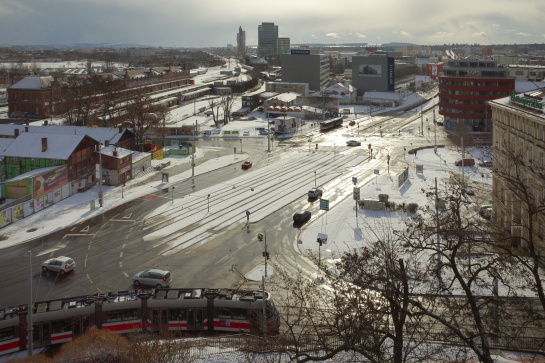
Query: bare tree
pixel 145 115
pixel 226 105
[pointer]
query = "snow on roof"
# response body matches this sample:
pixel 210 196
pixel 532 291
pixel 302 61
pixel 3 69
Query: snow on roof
pixel 109 150
pixel 29 145
pixel 287 97
pixel 32 173
pixel 33 83
pixel 4 143
pixel 111 134
pixel 525 86
pixel 138 155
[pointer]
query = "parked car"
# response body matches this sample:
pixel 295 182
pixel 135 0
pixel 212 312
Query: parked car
pixel 353 143
pixel 485 211
pixel 152 277
pixel 301 216
pixel 486 164
pixel 314 193
pixel 61 265
pixel 439 123
pixel 263 132
pixel 246 165
pixel 466 162
pixel 352 123
pixel 246 133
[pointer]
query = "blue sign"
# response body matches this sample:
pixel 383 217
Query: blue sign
pixel 391 74
pixel 247 213
pixel 354 180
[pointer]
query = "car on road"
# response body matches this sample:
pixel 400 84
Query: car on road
pixel 301 216
pixel 353 143
pixel 468 190
pixel 314 193
pixel 61 265
pixel 152 277
pixel 486 164
pixel 246 133
pixel 246 165
pixel 485 211
pixel 263 132
pixel 466 162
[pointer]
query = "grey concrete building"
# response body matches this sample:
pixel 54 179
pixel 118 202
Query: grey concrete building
pixel 373 72
pixel 300 66
pixel 241 42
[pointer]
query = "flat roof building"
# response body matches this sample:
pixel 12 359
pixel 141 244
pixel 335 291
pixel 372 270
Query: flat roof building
pixel 301 66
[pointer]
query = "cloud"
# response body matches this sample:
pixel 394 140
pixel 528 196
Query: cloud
pixel 440 34
pixel 359 35
pixel 332 35
pixel 496 25
pixel 480 34
pixel 405 34
pixel 522 34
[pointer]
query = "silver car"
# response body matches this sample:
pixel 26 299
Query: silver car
pixel 152 277
pixel 61 265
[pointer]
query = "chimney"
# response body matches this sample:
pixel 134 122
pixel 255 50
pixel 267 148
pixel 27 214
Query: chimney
pixel 26 128
pixel 16 132
pixel 44 144
pixel 46 122
pixel 107 143
pixel 120 129
pixel 114 153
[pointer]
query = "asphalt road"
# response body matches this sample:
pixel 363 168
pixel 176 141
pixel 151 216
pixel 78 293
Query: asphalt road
pixel 110 248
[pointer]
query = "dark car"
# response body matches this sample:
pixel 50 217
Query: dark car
pixel 466 162
pixel 486 164
pixel 246 165
pixel 301 216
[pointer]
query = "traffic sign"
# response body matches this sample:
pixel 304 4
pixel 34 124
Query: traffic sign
pixel 324 204
pixel 247 213
pixel 354 180
pixel 356 193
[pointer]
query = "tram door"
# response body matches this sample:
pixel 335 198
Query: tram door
pixel 159 319
pixel 194 319
pixel 41 334
pixel 79 325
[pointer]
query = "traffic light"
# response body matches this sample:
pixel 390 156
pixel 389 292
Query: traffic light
pixel 260 237
pixel 369 146
pixel 319 240
pixel 266 255
pixel 388 158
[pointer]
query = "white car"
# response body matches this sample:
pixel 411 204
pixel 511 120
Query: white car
pixel 61 265
pixel 353 143
pixel 246 133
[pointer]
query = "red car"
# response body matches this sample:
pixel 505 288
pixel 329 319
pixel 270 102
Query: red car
pixel 246 165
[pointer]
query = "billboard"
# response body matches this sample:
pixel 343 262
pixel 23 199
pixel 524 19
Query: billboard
pixel 391 74
pixel 48 181
pixel 300 51
pixel 370 70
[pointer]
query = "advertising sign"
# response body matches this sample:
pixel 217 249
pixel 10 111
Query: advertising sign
pixel 356 193
pixel 391 74
pixel 48 181
pixel 18 189
pixel 300 51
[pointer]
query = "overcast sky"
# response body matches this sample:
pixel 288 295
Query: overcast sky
pixel 211 23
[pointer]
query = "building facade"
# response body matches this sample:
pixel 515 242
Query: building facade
pixel 301 66
pixel 267 42
pixel 374 72
pixel 465 90
pixel 241 42
pixel 284 46
pixel 518 186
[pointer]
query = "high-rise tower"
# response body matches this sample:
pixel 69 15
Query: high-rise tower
pixel 267 42
pixel 241 42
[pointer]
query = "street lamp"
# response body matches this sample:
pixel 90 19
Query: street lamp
pixel 208 200
pixel 122 185
pixel 314 178
pixel 240 145
pixel 172 195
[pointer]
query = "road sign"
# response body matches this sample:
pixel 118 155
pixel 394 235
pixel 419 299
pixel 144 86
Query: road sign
pixel 354 180
pixel 322 237
pixel 324 204
pixel 247 213
pixel 356 193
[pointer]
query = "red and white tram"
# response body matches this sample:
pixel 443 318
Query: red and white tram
pixel 191 310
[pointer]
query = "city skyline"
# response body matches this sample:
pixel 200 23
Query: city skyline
pixel 215 23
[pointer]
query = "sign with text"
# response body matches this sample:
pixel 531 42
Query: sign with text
pixel 324 204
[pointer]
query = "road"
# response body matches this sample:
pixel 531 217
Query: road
pixel 203 240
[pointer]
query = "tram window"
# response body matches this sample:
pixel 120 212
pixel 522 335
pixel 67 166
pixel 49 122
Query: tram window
pixel 177 314
pixel 130 314
pixel 60 326
pixel 113 316
pixel 7 334
pixel 234 314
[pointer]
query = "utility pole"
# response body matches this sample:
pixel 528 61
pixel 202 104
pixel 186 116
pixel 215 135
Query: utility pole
pixel 100 194
pixel 30 332
pixel 263 237
pixel 463 155
pixel 193 148
pixel 422 120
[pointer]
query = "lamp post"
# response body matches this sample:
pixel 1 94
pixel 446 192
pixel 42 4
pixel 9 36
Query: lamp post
pixel 172 195
pixel 240 145
pixel 122 185
pixel 314 178
pixel 208 201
